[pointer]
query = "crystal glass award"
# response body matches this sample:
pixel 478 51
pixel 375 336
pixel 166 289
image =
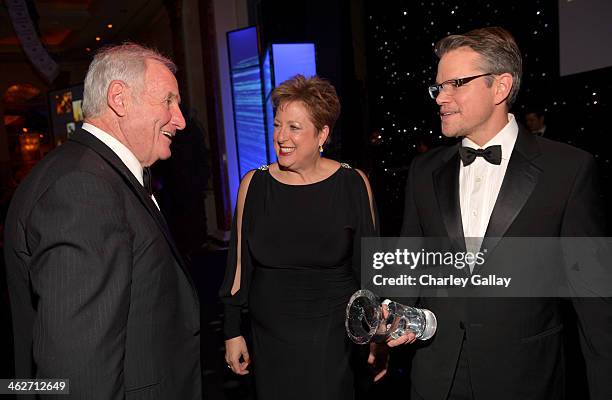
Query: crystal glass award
pixel 370 320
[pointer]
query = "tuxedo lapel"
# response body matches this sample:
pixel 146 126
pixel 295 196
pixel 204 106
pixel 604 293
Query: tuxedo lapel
pixel 85 138
pixel 446 185
pixel 519 182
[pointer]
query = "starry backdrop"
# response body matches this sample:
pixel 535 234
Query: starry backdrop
pixel 401 64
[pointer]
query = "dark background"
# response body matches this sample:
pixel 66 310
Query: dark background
pixel 401 64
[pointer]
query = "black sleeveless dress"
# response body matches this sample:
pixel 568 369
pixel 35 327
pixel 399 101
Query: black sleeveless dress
pixel 299 266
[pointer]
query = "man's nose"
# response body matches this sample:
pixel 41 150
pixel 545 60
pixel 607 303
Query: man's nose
pixel 442 97
pixel 178 120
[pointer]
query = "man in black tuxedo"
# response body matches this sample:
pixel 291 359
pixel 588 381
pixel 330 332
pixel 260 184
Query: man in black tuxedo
pixel 535 121
pixel 500 182
pixel 99 293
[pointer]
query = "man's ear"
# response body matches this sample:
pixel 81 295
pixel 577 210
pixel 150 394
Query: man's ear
pixel 503 85
pixel 117 97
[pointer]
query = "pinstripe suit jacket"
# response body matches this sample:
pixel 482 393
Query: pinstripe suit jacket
pixel 99 292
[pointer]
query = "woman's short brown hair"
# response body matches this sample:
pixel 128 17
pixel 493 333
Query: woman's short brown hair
pixel 317 94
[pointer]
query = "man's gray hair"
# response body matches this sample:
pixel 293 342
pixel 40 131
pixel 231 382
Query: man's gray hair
pixel 498 50
pixel 124 62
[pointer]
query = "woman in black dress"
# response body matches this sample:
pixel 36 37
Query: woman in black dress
pixel 294 255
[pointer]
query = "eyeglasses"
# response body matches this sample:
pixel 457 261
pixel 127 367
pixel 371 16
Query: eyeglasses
pixel 452 84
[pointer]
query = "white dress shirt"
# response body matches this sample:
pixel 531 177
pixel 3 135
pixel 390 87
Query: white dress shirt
pixel 479 184
pixel 126 156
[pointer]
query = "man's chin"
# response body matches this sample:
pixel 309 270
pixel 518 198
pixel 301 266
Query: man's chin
pixel 450 133
pixel 165 155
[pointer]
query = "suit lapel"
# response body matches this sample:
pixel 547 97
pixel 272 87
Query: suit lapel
pixel 446 184
pixel 85 138
pixel 518 185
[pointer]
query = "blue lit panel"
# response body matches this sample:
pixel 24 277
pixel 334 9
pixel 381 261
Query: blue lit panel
pixel 292 59
pixel 248 102
pixel 269 111
pixel 281 62
pixel 267 74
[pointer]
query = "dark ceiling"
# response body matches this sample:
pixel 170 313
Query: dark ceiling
pixel 69 27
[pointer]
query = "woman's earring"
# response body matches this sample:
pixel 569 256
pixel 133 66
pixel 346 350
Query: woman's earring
pixel 320 148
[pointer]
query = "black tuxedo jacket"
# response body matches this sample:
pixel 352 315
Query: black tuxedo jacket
pixel 99 292
pixel 514 346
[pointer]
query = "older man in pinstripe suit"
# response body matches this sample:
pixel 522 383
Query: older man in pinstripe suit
pixel 99 292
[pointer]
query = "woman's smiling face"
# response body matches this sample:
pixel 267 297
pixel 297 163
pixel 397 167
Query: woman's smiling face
pixel 296 139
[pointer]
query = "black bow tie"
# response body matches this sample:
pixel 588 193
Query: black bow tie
pixel 146 179
pixel 492 154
